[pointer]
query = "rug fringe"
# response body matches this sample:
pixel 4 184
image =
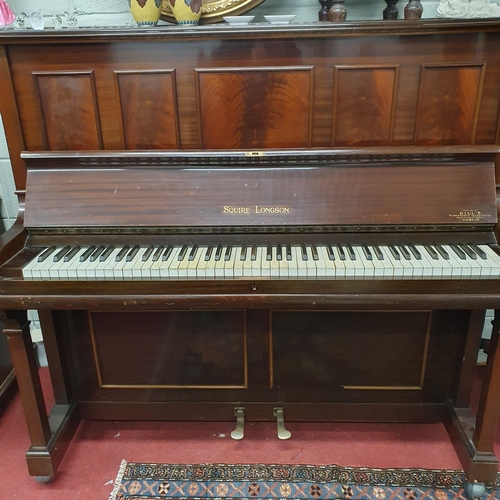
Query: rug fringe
pixel 118 480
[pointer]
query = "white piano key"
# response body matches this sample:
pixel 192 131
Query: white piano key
pixel 220 264
pixel 275 263
pixel 237 263
pixel 256 271
pixel 193 264
pixel 105 270
pixel 367 265
pixel 310 263
pixel 327 267
pixel 293 264
pixel 165 264
pixel 247 263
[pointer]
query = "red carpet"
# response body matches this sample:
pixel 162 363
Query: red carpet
pixel 92 461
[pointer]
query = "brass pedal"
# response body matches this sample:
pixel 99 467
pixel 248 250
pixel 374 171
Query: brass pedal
pixel 282 432
pixel 239 432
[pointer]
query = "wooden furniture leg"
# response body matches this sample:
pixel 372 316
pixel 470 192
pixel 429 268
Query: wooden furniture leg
pixel 49 434
pixel 474 436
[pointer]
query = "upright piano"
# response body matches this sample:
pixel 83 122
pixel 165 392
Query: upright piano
pixel 264 223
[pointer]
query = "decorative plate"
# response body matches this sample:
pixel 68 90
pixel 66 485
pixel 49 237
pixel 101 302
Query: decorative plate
pixel 213 10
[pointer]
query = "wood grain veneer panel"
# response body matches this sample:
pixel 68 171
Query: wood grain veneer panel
pixel 255 107
pixel 69 109
pixel 148 104
pixel 448 104
pixel 358 195
pixel 364 105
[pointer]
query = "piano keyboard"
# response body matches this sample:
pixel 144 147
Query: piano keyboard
pixel 323 261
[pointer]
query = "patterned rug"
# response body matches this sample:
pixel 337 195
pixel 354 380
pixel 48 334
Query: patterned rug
pixel 137 481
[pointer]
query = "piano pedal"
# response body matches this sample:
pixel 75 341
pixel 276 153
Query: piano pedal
pixel 282 432
pixel 239 432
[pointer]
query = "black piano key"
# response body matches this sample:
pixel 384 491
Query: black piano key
pixel 227 255
pixel 85 255
pixel 121 254
pixel 434 255
pixel 341 251
pixel 147 253
pixel 469 251
pixel 158 253
pixel 331 253
pixel 269 252
pixel 192 254
pixel 461 254
pixel 367 252
pixel 479 251
pixel 98 251
pixel 167 252
pixel 351 252
pixel 71 253
pixel 314 251
pixel 279 252
pixel 378 252
pixel 182 253
pixel 405 252
pixel 394 252
pixel 208 253
pixel 253 255
pixel 105 255
pixel 289 252
pixel 218 253
pixel 304 252
pixel 46 253
pixel 415 252
pixel 441 251
pixel 132 253
pixel 243 254
pixel 59 255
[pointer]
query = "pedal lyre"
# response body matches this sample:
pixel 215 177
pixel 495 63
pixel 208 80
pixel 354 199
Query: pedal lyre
pixel 239 432
pixel 280 419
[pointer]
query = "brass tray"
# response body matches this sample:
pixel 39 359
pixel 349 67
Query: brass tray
pixel 214 10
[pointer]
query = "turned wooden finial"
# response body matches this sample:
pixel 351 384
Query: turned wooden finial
pixel 325 7
pixel 413 10
pixel 337 12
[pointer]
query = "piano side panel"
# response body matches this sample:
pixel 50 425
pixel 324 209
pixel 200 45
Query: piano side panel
pixel 257 106
pixel 69 111
pixel 148 104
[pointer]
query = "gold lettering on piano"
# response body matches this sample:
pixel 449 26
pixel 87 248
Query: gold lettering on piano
pixel 257 209
pixel 470 215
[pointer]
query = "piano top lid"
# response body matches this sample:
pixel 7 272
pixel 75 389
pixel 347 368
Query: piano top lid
pixel 370 194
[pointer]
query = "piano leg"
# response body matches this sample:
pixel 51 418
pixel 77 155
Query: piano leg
pixel 474 437
pixel 50 434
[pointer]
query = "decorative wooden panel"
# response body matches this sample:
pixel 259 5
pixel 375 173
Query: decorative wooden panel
pixel 69 108
pixel 148 101
pixel 448 104
pixel 255 107
pixel 364 105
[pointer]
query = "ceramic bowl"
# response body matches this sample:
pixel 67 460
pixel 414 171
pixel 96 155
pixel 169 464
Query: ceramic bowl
pixel 238 20
pixel 280 19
